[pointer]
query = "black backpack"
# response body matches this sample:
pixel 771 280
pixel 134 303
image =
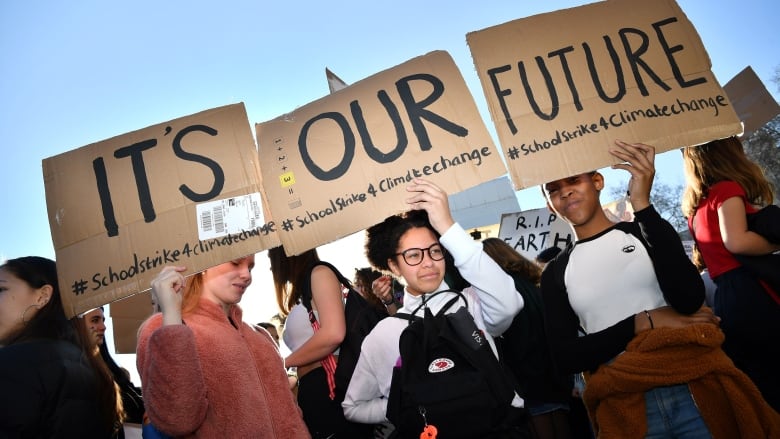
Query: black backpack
pixel 360 317
pixel 449 377
pixel 525 350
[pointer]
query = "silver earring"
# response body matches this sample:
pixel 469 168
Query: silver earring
pixel 24 314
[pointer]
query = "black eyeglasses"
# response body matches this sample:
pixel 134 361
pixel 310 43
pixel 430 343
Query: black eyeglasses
pixel 415 256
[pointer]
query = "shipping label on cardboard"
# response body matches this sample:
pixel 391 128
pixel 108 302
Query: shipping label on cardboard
pixel 121 209
pixel 342 163
pixel 229 216
pixel 631 70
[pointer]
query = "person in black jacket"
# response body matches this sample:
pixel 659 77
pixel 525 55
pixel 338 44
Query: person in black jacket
pixel 49 387
pixel 525 351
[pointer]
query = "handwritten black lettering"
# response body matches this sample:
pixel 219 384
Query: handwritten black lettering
pixel 166 256
pixel 392 111
pixel 106 205
pixel 416 109
pixel 219 174
pixel 544 95
pixel 615 120
pixel 349 147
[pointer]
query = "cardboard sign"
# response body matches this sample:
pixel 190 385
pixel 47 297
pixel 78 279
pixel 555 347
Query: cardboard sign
pixel 631 70
pixel 185 192
pixel 532 231
pixel 478 206
pixel 127 315
pixel 753 103
pixel 342 163
pixel 482 205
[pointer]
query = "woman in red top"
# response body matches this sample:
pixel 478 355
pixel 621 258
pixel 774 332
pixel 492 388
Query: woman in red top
pixel 723 186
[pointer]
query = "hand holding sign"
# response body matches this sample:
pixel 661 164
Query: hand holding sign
pixel 640 160
pixel 167 291
pixel 433 200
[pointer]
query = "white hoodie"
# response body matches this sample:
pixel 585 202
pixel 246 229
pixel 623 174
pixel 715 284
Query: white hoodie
pixel 492 301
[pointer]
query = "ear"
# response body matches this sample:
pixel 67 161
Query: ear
pixel 44 295
pixel 598 181
pixel 393 267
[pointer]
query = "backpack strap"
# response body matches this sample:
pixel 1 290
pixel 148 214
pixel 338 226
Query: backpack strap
pixel 412 317
pixel 306 282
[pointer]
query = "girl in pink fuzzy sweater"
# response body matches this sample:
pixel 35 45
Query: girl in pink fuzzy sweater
pixel 206 373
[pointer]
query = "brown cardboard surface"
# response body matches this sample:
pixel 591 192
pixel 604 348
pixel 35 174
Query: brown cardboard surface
pixel 754 104
pixel 176 168
pixel 126 316
pixel 675 101
pixel 325 190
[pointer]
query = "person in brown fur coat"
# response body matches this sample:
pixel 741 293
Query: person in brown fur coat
pixel 729 402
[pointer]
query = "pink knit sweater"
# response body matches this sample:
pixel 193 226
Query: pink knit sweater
pixel 209 379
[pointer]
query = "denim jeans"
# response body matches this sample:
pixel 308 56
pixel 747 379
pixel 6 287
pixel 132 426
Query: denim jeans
pixel 672 413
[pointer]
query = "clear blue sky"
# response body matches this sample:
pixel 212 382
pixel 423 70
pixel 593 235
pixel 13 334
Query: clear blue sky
pixel 74 73
pixel 78 72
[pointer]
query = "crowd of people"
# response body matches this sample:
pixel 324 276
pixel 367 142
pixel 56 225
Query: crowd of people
pixel 609 337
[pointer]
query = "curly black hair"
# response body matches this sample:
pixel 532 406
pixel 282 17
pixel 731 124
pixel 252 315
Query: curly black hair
pixel 382 239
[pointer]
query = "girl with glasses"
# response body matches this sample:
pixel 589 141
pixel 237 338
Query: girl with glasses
pixel 413 245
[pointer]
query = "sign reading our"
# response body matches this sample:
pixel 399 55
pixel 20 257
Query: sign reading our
pixel 631 70
pixel 532 231
pixel 342 163
pixel 185 192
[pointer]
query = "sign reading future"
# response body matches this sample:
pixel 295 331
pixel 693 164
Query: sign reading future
pixel 631 70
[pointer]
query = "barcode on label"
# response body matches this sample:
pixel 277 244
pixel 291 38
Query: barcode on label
pixel 219 223
pixel 205 221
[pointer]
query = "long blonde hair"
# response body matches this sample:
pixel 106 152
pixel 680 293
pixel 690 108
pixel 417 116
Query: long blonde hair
pixel 717 161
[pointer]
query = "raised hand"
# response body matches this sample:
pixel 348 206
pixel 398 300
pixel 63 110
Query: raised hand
pixel 431 198
pixel 167 289
pixel 640 162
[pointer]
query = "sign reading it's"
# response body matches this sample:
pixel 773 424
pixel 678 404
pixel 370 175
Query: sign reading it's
pixel 342 163
pixel 562 86
pixel 186 192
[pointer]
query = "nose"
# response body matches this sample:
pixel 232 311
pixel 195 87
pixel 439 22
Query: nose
pixel 246 272
pixel 427 261
pixel 101 326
